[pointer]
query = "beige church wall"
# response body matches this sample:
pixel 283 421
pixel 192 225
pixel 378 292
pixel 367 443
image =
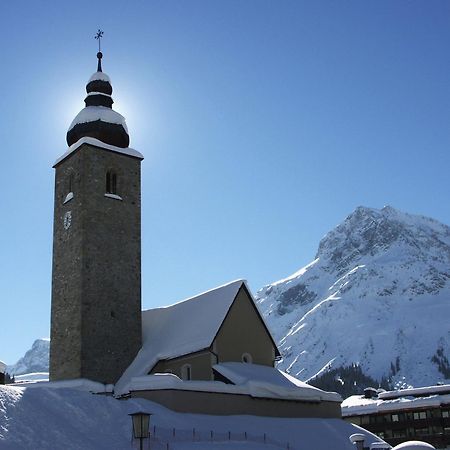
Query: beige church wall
pixel 243 332
pixel 225 404
pixel 201 363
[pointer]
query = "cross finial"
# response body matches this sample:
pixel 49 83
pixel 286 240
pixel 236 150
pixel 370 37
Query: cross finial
pixel 99 36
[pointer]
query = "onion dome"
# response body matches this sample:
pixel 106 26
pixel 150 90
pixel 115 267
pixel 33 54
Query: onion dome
pixel 98 119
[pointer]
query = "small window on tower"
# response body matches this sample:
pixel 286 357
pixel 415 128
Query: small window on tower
pixel 69 188
pixel 111 185
pixel 111 182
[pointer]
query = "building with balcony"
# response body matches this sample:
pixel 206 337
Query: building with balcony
pixel 403 415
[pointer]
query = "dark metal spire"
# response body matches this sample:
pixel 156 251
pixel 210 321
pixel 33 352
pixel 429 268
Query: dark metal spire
pixel 99 36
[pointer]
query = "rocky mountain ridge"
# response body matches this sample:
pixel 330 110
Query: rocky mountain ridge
pixel 35 360
pixel 376 295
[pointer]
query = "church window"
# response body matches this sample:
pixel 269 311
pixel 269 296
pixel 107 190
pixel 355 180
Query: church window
pixel 111 185
pixel 186 372
pixel 111 182
pixel 247 358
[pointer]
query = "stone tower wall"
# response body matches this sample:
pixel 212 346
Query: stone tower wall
pixel 96 289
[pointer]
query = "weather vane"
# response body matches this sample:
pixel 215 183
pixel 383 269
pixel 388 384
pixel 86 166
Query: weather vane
pixel 99 36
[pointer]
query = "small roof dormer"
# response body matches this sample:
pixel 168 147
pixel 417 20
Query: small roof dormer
pixel 98 120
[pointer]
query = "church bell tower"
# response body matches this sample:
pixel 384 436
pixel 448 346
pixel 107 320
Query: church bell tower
pixel 96 280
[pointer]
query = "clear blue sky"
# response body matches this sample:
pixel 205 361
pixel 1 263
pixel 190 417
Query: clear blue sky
pixel 263 124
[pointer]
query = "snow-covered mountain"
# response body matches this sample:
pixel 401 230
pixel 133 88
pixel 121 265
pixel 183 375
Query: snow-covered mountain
pixel 377 294
pixel 35 360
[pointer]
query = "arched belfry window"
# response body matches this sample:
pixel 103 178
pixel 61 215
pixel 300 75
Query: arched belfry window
pixel 111 182
pixel 70 182
pixel 111 185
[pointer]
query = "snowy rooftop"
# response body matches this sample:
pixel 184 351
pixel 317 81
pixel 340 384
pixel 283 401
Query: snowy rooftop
pixel 359 405
pixel 95 142
pixel 263 385
pixel 167 334
pixel 416 392
pixel 270 382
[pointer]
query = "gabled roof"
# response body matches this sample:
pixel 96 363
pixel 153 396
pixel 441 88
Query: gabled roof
pixel 180 329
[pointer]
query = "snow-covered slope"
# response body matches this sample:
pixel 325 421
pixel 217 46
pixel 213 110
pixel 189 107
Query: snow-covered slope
pixel 35 360
pixel 377 294
pixel 45 417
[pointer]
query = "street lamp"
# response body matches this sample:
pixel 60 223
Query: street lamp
pixel 141 424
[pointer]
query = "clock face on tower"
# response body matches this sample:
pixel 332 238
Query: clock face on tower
pixel 67 219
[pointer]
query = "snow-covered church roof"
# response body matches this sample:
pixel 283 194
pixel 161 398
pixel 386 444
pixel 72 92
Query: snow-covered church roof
pixel 179 329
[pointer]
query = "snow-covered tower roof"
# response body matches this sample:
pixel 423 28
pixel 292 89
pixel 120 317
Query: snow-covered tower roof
pixel 98 119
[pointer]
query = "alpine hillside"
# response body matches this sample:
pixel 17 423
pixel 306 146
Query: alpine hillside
pixel 376 296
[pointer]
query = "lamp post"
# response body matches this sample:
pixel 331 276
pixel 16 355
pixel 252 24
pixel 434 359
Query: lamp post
pixel 141 424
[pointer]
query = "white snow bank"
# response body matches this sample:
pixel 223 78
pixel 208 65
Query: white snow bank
pixel 31 377
pixel 267 381
pixel 79 384
pixel 43 418
pixel 182 328
pixel 413 445
pixel 95 142
pixel 103 113
pixel 99 76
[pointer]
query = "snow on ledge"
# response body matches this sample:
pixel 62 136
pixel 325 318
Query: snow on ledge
pixel 69 197
pixel 165 381
pixel 114 196
pixel 98 93
pixel 96 143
